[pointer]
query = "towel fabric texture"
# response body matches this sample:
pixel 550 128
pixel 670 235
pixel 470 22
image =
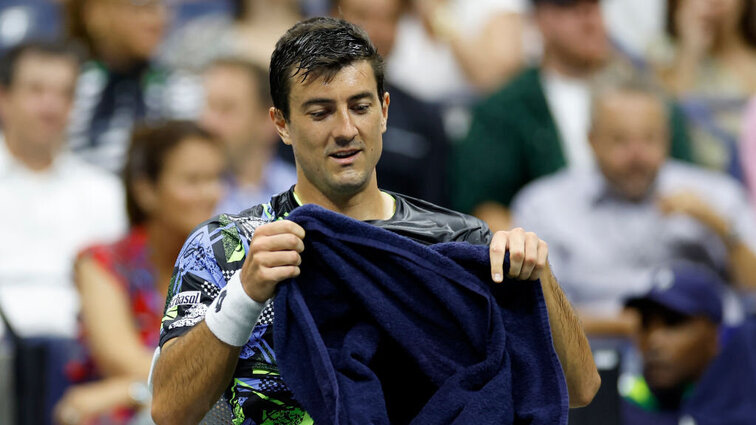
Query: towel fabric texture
pixel 379 329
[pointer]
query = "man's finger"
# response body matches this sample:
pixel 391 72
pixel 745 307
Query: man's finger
pixel 280 226
pixel 278 259
pixel 278 242
pixel 543 258
pixel 531 256
pixel 516 252
pixel 497 250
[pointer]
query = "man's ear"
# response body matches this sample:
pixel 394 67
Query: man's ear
pixel 384 111
pixel 279 122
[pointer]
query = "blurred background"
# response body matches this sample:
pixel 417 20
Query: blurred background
pixel 622 132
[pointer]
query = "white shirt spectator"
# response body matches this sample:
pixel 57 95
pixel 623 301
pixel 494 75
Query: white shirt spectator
pixel 45 219
pixel 569 101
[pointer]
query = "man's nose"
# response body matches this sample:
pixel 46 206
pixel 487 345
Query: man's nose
pixel 345 130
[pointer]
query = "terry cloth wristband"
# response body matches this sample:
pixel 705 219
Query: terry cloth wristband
pixel 233 314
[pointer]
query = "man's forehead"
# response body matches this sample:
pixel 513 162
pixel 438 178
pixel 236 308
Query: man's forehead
pixel 352 79
pixel 30 62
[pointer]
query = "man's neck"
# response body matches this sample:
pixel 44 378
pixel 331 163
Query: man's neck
pixel 37 160
pixel 368 204
pixel 551 63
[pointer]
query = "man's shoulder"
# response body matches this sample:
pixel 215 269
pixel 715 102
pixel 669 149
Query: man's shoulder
pixel 430 223
pixel 676 175
pixel 552 188
pixel 100 184
pixel 525 85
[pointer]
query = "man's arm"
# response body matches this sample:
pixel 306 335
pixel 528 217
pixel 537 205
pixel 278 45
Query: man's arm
pixel 528 256
pixel 194 369
pixel 191 374
pixel 742 260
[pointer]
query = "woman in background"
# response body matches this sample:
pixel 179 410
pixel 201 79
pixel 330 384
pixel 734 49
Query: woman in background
pixel 172 179
pixel 710 65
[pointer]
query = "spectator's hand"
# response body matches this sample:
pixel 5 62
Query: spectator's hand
pixel 690 204
pixel 527 255
pixel 81 404
pixel 695 22
pixel 436 18
pixel 273 257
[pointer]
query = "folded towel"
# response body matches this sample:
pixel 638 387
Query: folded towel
pixel 379 329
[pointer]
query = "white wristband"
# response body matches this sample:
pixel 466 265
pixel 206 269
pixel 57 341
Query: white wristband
pixel 233 314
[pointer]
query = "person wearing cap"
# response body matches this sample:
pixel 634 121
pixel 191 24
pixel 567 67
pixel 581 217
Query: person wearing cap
pixel 678 339
pixel 538 123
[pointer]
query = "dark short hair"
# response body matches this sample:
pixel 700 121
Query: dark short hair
pixel 9 60
pixel 746 25
pixel 151 144
pixel 319 47
pixel 255 72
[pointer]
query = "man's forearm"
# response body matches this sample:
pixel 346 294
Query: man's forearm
pixel 570 344
pixel 191 374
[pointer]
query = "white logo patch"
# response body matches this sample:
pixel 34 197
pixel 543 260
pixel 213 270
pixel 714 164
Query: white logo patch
pixel 186 298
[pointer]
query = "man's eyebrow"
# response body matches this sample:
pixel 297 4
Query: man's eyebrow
pixel 326 101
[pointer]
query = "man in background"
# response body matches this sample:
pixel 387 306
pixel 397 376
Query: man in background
pixel 52 204
pixel 678 339
pixel 538 123
pixel 609 227
pixel 236 111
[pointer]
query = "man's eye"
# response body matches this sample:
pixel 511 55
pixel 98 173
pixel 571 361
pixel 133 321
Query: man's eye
pixel 318 115
pixel 361 107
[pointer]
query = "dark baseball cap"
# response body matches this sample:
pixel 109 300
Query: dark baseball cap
pixel 688 289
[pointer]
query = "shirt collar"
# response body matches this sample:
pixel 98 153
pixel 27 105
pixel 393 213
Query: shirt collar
pixel 600 190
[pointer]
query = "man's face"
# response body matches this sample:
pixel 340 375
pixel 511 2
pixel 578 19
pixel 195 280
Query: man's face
pixel 233 111
pixel 35 108
pixel 134 27
pixel 335 129
pixel 574 33
pixel 379 18
pixel 676 349
pixel 630 140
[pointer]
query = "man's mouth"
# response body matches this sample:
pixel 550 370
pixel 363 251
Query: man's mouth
pixel 345 154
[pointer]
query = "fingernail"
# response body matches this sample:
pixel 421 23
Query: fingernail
pixel 497 277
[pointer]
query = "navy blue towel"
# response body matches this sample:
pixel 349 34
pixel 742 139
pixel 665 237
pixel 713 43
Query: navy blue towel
pixel 379 329
pixel 726 393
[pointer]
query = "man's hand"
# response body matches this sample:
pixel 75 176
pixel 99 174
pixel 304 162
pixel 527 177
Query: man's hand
pixel 690 204
pixel 273 257
pixel 527 255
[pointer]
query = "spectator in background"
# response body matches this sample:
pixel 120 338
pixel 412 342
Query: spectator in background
pixel 608 228
pixel 748 149
pixel 251 33
pixel 120 86
pixel 415 148
pixel 709 63
pixel 678 338
pixel 236 111
pixel 172 182
pixel 52 204
pixel 539 122
pixel 451 49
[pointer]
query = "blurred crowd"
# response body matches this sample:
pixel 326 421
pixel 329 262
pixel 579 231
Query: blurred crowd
pixel 622 132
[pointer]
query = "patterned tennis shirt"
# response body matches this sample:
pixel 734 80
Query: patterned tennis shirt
pixel 217 249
